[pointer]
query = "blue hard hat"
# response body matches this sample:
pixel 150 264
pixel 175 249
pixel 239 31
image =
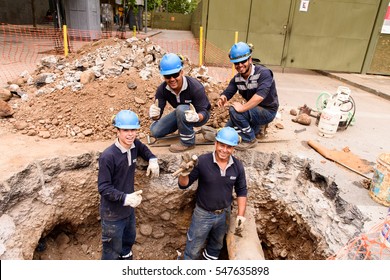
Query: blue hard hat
pixel 228 136
pixel 126 119
pixel 239 52
pixel 170 64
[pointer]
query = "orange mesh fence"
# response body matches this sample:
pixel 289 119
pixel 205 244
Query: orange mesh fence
pixel 188 48
pixel 22 47
pixel 215 59
pixel 373 245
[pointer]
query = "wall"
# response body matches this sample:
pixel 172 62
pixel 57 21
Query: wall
pixel 287 36
pixel 20 12
pixel 171 21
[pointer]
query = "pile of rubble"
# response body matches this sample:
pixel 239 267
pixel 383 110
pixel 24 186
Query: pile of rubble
pixel 76 97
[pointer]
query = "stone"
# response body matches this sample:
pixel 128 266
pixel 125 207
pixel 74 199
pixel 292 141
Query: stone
pixel 303 118
pixel 5 94
pixel 87 77
pixel 20 125
pixel 146 230
pixel 139 100
pixel 5 109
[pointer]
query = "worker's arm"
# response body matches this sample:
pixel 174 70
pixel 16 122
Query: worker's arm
pixel 183 181
pixel 252 103
pixel 241 202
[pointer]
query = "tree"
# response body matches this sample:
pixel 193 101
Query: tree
pixel 174 6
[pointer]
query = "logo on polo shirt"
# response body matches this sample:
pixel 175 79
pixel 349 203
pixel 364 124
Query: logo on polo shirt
pixel 233 177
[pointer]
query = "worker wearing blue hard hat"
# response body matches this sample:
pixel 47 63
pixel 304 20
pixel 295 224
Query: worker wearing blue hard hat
pixel 118 199
pixel 218 173
pixel 188 98
pixel 256 84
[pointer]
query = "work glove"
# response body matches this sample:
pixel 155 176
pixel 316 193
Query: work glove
pixel 240 222
pixel 191 114
pixel 187 164
pixel 154 110
pixel 133 199
pixel 153 168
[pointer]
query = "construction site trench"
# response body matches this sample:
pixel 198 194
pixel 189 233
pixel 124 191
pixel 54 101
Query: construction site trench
pixel 49 206
pixel 52 210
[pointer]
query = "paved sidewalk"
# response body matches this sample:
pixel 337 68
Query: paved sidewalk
pixel 376 84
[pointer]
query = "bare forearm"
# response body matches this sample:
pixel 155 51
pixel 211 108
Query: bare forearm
pixel 241 202
pixel 252 103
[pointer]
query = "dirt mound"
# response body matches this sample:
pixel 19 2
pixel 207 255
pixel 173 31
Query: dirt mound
pixel 77 97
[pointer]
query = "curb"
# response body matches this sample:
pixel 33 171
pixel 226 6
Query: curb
pixel 362 87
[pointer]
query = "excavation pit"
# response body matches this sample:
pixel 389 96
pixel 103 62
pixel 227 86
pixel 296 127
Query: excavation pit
pixel 49 210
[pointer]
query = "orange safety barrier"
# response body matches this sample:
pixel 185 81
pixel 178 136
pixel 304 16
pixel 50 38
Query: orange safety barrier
pixel 368 246
pixel 22 47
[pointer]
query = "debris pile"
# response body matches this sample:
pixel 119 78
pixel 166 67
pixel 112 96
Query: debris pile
pixel 76 97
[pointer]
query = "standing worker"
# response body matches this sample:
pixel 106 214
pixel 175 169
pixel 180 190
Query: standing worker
pixel 117 166
pixel 256 85
pixel 187 96
pixel 217 174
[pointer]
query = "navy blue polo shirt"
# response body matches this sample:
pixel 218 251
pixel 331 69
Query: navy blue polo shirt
pixel 215 189
pixel 260 82
pixel 116 178
pixel 193 92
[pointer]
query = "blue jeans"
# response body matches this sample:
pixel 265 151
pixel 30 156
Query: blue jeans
pixel 176 120
pixel 118 237
pixel 204 226
pixel 248 124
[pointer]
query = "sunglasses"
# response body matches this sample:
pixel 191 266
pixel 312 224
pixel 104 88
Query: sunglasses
pixel 242 62
pixel 174 75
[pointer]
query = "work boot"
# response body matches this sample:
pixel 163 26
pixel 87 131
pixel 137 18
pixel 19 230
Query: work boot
pixel 129 256
pixel 246 145
pixel 262 133
pixel 208 133
pixel 178 148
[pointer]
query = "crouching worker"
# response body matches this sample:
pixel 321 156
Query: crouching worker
pixel 188 98
pixel 218 173
pixel 117 165
pixel 256 84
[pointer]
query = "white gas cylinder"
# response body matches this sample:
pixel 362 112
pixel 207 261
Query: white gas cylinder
pixel 343 94
pixel 329 121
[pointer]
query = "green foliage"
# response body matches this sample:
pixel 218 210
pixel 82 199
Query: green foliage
pixel 171 6
pixel 174 6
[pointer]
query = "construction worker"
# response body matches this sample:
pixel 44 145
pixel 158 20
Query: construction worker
pixel 217 174
pixel 117 165
pixel 256 84
pixel 188 98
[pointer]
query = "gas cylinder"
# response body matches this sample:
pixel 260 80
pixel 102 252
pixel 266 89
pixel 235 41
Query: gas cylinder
pixel 329 120
pixel 345 104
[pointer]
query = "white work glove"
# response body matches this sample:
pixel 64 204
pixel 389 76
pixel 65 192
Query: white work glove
pixel 133 199
pixel 191 114
pixel 153 168
pixel 154 110
pixel 240 222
